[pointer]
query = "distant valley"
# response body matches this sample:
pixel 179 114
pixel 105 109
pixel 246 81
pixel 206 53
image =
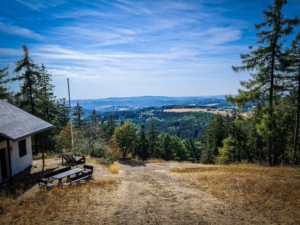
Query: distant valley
pixel 135 103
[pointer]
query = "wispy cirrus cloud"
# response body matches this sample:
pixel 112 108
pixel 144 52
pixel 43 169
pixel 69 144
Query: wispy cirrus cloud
pixel 38 5
pixel 218 35
pixel 80 13
pixel 6 28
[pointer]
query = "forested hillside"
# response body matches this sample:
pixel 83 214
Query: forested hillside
pixel 184 125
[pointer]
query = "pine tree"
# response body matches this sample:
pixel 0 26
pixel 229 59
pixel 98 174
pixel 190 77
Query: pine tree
pixel 165 146
pixel 294 69
pixel 212 139
pixel 78 115
pixel 4 91
pixel 152 138
pixel 92 130
pixel 29 80
pixel 109 127
pixel 267 84
pixel 181 153
pixel 142 147
pixel 28 96
pixel 62 112
pixel 189 146
pixel 46 104
pixel 94 117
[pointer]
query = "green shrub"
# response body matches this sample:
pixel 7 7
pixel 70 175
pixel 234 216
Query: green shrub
pixel 98 153
pixel 39 156
pixel 105 161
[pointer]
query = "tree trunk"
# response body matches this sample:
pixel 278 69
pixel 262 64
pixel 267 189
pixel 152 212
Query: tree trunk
pixel 297 121
pixel 43 150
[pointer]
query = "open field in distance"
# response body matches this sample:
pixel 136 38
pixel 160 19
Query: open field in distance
pixel 184 110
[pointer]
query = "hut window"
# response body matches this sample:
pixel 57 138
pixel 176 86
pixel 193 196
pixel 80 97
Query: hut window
pixel 22 148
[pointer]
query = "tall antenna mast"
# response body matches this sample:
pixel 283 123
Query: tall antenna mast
pixel 70 115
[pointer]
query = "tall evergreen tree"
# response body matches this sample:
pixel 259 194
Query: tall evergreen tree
pixel 266 61
pixel 294 69
pixel 47 98
pixel 142 146
pixel 94 117
pixel 212 139
pixel 29 80
pixel 78 115
pixel 189 146
pixel 4 91
pixel 63 112
pixel 28 96
pixel 109 127
pixel 181 153
pixel 165 147
pixel 255 143
pixel 152 138
pixel 92 130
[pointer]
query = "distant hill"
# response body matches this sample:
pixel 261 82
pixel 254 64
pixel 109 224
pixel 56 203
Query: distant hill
pixel 135 103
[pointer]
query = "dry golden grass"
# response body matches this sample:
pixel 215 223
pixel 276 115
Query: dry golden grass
pixel 90 159
pixel 46 156
pixel 223 113
pixel 154 160
pixel 114 169
pixel 274 192
pixel 74 204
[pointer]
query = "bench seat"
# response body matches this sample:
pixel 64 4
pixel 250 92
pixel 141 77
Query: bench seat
pixel 73 160
pixel 44 184
pixel 49 176
pixel 88 168
pixel 77 179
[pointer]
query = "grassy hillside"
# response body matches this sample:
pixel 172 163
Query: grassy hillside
pixel 272 192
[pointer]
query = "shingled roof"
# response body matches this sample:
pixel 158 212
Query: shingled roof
pixel 16 124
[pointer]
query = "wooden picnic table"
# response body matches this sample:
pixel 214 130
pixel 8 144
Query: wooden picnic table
pixel 68 173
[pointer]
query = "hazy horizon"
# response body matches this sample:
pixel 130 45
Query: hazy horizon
pixel 163 96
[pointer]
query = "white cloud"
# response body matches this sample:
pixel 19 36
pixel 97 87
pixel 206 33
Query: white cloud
pixel 78 14
pixel 60 74
pixel 19 31
pixel 223 35
pixel 38 5
pixel 10 51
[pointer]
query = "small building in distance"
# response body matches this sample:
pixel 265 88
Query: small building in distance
pixel 16 129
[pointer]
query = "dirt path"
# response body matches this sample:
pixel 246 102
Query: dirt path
pixel 152 195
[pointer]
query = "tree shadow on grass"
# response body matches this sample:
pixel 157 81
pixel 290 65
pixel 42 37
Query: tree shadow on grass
pixel 24 181
pixel 131 162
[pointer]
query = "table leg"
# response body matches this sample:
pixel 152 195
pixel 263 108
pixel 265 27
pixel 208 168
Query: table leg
pixel 60 182
pixel 68 178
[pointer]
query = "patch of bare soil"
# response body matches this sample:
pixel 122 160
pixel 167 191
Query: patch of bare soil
pixel 151 194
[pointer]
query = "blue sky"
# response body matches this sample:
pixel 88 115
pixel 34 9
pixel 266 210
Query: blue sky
pixel 133 48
